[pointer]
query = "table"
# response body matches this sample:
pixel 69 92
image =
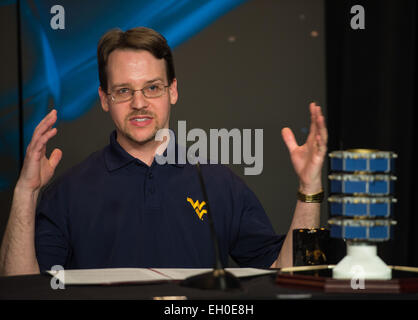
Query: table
pixel 256 288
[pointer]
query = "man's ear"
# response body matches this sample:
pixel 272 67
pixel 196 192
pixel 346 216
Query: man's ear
pixel 173 91
pixel 103 99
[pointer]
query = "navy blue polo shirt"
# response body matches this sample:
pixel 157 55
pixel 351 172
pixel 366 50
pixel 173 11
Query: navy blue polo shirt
pixel 112 210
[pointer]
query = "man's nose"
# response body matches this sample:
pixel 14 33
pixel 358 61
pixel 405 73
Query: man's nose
pixel 139 101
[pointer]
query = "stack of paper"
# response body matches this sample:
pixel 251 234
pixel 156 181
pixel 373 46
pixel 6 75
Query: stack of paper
pixel 140 275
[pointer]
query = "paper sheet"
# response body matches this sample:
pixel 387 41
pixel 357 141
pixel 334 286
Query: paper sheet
pixel 106 276
pixel 180 274
pixel 144 275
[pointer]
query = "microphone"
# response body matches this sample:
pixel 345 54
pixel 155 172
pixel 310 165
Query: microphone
pixel 218 278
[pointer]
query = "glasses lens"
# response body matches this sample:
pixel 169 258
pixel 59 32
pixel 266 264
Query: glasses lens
pixel 122 94
pixel 154 90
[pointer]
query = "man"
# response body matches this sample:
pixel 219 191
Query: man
pixel 119 208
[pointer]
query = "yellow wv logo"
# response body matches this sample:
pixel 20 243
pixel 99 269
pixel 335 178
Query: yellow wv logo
pixel 198 207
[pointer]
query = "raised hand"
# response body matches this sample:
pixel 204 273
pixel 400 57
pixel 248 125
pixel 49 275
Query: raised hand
pixel 37 168
pixel 308 158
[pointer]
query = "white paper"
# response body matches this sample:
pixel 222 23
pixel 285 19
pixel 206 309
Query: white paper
pixel 127 275
pixel 106 276
pixel 181 274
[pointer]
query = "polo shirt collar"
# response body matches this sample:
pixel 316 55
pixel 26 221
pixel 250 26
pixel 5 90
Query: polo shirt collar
pixel 116 157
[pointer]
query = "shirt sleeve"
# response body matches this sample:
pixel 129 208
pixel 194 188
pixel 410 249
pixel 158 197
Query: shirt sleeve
pixel 51 233
pixel 256 245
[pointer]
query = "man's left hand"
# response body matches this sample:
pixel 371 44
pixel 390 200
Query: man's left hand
pixel 308 159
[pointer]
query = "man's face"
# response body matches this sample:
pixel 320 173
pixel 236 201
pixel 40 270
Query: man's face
pixel 138 120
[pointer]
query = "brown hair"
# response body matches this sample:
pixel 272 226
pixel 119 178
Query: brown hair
pixel 139 38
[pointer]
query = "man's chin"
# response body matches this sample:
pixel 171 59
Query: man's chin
pixel 145 141
pixel 142 139
pixel 138 137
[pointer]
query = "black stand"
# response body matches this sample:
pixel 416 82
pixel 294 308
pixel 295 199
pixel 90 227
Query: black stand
pixel 213 280
pixel 218 278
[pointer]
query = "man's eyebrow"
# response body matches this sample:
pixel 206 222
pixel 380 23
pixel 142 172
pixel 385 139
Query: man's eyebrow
pixel 154 80
pixel 117 85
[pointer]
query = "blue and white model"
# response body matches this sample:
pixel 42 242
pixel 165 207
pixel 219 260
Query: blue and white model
pixel 361 207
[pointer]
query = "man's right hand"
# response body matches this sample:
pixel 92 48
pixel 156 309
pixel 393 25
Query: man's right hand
pixel 17 251
pixel 37 169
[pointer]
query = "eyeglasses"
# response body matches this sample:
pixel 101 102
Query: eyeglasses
pixel 126 94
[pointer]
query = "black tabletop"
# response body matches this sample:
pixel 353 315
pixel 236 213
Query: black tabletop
pixel 38 287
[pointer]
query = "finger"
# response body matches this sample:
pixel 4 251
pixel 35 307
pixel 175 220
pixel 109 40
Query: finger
pixel 55 158
pixel 41 142
pixel 289 139
pixel 313 128
pixel 321 146
pixel 323 129
pixel 321 125
pixel 45 124
pixel 317 117
pixel 47 118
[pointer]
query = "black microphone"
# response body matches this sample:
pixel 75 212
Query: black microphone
pixel 218 278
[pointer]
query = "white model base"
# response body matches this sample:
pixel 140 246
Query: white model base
pixel 361 262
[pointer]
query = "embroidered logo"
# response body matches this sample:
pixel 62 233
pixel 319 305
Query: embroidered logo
pixel 198 207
